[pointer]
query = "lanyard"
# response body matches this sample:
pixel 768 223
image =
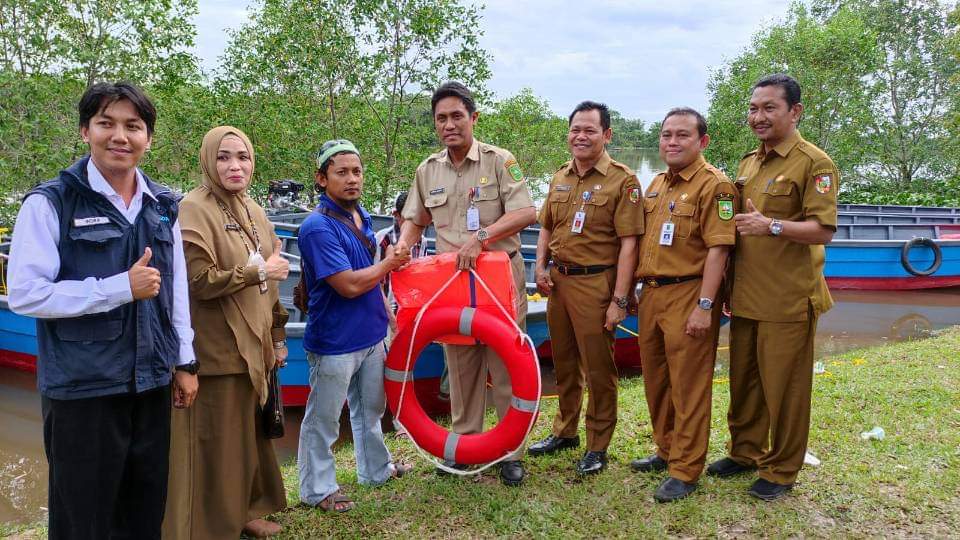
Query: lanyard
pixel 236 222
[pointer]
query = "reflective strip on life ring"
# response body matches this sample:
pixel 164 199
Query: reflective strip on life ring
pixel 519 359
pixel 905 256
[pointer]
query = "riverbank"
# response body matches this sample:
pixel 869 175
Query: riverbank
pixel 905 485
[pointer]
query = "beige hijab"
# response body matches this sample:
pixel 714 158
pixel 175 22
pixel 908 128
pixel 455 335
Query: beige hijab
pixel 248 314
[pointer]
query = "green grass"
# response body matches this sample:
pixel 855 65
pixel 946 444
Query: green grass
pixel 907 484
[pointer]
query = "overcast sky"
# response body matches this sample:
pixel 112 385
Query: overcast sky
pixel 640 57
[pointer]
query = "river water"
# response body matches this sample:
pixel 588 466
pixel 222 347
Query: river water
pixel 859 319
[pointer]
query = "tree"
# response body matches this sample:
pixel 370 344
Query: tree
pixel 831 59
pixel 525 125
pixel 878 79
pixel 145 41
pixel 633 133
pixel 29 40
pixel 358 69
pixel 912 86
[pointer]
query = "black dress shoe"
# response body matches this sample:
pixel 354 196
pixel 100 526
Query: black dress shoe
pixel 672 489
pixel 592 463
pixel 649 464
pixel 452 465
pixel 512 473
pixel 553 444
pixel 768 491
pixel 728 467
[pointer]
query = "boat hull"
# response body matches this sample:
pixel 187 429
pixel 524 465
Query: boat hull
pixel 876 265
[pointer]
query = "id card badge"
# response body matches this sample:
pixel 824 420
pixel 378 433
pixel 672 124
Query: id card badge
pixel 473 214
pixel 473 218
pixel 256 259
pixel 578 218
pixel 581 216
pixel 666 234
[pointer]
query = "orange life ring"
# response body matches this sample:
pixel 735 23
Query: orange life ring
pixel 518 358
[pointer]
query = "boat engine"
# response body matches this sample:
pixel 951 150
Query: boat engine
pixel 285 195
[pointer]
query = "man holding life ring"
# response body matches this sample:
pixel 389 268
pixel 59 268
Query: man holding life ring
pixel 475 195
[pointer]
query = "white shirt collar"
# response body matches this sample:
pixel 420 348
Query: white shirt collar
pixel 99 184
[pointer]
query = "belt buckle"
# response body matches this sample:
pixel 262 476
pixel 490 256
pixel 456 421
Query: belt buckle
pixel 651 282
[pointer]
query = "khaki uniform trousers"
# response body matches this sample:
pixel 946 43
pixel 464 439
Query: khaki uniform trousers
pixel 467 368
pixel 771 377
pixel 583 351
pixel 677 375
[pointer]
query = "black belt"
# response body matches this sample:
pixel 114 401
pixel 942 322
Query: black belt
pixel 569 270
pixel 661 281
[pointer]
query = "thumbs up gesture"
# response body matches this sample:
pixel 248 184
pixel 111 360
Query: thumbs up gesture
pixel 276 266
pixel 752 222
pixel 144 280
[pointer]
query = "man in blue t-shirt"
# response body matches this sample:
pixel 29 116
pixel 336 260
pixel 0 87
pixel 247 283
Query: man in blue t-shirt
pixel 346 325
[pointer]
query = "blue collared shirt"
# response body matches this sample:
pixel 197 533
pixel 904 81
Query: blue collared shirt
pixel 335 324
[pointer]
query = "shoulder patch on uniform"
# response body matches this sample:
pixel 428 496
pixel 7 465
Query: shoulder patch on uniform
pixel 725 208
pixel 514 169
pixel 634 194
pixel 823 182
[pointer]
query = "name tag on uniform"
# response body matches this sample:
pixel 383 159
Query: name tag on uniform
pixel 437 191
pixel 578 218
pixel 88 221
pixel 666 234
pixel 473 218
pixel 563 188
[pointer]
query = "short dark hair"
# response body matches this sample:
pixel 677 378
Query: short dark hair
pixel 101 95
pixel 590 106
pixel 401 202
pixel 688 111
pixel 453 89
pixel 791 88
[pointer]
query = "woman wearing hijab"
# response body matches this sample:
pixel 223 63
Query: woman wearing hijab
pixel 224 476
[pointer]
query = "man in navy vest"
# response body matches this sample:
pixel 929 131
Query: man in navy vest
pixel 97 258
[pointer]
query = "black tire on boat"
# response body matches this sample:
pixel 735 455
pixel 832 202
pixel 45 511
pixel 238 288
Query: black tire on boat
pixel 905 256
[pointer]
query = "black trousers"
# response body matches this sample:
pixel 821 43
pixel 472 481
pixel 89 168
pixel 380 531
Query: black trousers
pixel 108 459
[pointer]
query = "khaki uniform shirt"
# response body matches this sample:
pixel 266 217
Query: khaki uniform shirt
pixel 612 210
pixel 775 279
pixel 700 201
pixel 442 194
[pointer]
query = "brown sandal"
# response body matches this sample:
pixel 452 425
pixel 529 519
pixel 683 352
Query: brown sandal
pixel 336 502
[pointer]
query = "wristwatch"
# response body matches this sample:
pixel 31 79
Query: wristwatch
pixel 705 304
pixel 482 236
pixel 620 301
pixel 279 344
pixel 262 273
pixel 190 368
pixel 776 227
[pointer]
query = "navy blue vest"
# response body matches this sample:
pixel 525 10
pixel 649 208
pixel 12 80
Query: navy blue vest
pixel 134 347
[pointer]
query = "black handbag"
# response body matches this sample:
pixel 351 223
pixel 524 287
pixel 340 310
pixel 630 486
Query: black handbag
pixel 271 415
